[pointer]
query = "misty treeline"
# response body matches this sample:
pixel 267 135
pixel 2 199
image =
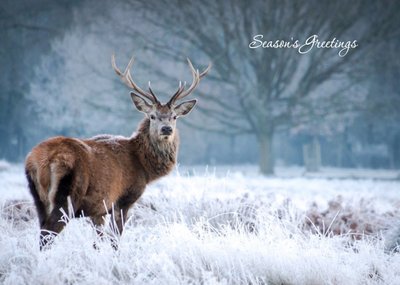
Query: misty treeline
pixel 265 105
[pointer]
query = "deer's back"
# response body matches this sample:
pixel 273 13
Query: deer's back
pixel 106 168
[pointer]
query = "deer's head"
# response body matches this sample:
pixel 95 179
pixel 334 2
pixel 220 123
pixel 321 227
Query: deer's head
pixel 162 116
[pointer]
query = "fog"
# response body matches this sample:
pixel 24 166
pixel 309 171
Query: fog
pixel 272 106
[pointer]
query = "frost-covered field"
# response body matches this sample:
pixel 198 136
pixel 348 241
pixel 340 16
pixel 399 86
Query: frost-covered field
pixel 218 227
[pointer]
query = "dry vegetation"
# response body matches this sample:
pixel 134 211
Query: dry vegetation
pixel 218 230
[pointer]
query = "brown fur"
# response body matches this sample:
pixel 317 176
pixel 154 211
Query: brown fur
pixel 104 170
pixel 106 173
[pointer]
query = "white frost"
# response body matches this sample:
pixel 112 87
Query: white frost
pixel 204 229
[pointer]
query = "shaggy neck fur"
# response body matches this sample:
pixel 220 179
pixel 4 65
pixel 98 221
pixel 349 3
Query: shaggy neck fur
pixel 157 157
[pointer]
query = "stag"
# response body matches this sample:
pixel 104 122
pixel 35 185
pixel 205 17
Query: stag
pixel 107 174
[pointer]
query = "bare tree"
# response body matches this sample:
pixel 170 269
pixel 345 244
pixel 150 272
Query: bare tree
pixel 261 90
pixel 26 30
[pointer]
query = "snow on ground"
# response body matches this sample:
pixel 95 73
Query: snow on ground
pixel 214 226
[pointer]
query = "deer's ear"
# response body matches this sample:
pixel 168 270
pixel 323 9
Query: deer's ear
pixel 140 103
pixel 185 107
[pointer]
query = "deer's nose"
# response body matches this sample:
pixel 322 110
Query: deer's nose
pixel 166 130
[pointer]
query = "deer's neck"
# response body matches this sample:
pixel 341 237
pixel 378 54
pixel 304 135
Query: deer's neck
pixel 157 157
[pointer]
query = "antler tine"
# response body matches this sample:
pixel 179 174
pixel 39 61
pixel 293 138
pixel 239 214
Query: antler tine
pixel 122 74
pixel 128 67
pixel 205 71
pixel 116 69
pixel 180 88
pixel 127 79
pixel 196 80
pixel 179 91
pixel 151 91
pixel 151 96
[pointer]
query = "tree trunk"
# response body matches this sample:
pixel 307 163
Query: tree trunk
pixel 396 151
pixel 312 155
pixel 266 162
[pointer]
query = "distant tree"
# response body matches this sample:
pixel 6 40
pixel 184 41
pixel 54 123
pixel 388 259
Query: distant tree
pixel 381 117
pixel 249 91
pixel 26 29
pixel 76 90
pixel 260 90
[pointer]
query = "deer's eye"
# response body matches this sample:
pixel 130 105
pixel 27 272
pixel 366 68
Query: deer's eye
pixel 152 117
pixel 174 117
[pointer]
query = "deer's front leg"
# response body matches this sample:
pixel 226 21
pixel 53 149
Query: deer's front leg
pixel 124 203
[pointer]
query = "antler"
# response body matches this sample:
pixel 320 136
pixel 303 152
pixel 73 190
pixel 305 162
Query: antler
pixel 127 79
pixel 181 93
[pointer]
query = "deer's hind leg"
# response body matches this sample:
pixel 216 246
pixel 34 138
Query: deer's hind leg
pixel 40 207
pixel 64 189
